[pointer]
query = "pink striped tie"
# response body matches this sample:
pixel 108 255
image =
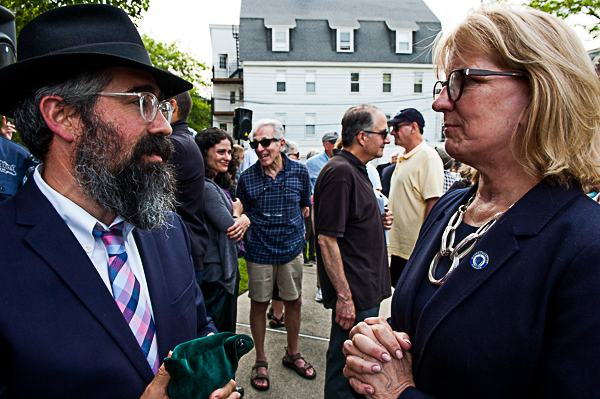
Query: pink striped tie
pixel 128 296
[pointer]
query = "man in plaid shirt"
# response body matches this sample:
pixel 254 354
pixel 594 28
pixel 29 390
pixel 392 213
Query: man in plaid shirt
pixel 275 192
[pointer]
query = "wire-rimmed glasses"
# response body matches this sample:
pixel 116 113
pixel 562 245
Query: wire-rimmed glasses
pixel 149 105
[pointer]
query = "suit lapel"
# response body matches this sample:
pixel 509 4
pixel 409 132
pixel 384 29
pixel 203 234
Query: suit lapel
pixel 425 249
pixel 54 242
pixel 159 294
pixel 526 218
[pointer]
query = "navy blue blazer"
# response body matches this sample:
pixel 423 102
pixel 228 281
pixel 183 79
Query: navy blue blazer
pixel 525 326
pixel 61 332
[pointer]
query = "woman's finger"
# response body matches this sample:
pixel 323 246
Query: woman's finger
pixel 360 387
pixel 371 348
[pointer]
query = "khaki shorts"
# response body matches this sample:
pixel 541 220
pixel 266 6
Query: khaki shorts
pixel 288 276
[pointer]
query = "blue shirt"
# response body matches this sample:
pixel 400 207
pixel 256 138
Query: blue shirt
pixel 314 165
pixel 15 165
pixel 273 206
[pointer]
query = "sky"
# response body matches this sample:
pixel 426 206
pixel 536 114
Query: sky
pixel 187 21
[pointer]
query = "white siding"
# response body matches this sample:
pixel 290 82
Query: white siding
pixel 332 97
pixel 223 43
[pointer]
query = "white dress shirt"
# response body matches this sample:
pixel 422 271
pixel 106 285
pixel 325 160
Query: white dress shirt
pixel 82 224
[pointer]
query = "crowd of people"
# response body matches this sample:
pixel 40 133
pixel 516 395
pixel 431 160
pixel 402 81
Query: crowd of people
pixel 124 240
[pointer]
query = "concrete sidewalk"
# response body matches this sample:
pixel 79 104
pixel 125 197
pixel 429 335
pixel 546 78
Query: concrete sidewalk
pixel 313 343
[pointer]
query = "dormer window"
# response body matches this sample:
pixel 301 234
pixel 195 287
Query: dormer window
pixel 404 41
pixel 345 40
pixel 281 39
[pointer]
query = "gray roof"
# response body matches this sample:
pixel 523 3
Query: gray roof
pixel 313 37
pixel 347 13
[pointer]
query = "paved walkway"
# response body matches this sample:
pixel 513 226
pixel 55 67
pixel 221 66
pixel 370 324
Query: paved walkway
pixel 313 342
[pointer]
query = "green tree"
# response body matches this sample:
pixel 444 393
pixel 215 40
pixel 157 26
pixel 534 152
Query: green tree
pixel 181 63
pixel 26 10
pixel 565 8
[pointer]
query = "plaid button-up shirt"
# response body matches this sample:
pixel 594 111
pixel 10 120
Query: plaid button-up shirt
pixel 273 206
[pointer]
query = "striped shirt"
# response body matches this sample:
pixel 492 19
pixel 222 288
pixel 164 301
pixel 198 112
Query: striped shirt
pixel 274 208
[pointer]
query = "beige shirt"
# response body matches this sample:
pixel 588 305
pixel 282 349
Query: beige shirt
pixel 418 176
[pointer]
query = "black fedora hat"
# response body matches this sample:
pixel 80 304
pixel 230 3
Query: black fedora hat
pixel 67 40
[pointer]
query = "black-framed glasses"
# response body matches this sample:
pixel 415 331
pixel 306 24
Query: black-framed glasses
pixel 264 142
pixel 397 126
pixel 456 81
pixel 383 133
pixel 149 105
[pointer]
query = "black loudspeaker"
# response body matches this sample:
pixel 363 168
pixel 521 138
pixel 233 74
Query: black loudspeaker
pixel 242 123
pixel 7 37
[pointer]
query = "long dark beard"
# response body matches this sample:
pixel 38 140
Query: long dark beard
pixel 141 192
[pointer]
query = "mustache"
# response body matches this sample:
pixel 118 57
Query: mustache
pixel 153 145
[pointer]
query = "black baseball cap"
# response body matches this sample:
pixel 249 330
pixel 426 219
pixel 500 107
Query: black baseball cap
pixel 408 115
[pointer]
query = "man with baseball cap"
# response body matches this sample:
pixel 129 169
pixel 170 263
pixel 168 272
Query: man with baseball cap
pixel 314 165
pixel 96 278
pixel 416 184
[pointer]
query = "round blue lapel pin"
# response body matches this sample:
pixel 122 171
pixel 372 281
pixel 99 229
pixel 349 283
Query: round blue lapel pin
pixel 479 260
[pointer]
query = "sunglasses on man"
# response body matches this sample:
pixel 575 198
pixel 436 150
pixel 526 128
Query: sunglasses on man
pixel 264 143
pixel 383 133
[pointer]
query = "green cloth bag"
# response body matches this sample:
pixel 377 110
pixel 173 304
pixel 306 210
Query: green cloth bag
pixel 199 367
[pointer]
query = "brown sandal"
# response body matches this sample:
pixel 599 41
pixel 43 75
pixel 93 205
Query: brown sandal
pixel 277 323
pixel 288 361
pixel 255 375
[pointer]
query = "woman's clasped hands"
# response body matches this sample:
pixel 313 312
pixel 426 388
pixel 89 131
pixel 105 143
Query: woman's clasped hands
pixel 378 364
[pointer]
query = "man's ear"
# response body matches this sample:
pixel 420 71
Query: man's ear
pixel 360 139
pixel 59 118
pixel 175 108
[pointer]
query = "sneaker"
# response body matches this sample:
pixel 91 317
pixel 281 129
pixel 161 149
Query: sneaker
pixel 308 262
pixel 319 296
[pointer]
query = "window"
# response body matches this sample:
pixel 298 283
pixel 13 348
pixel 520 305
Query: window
pixel 222 61
pixel 310 82
pixel 418 82
pixel 345 40
pixel 281 119
pixel 280 78
pixel 232 97
pixel 404 42
pixel 310 124
pixel 354 87
pixel 223 126
pixel 281 39
pixel 241 94
pixel 387 82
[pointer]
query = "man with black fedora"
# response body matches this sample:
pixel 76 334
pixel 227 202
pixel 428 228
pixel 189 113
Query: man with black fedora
pixel 415 186
pixel 96 278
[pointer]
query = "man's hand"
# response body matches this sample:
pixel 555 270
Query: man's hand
pixel 7 128
pixel 388 218
pixel 305 211
pixel 345 312
pixel 227 392
pixel 158 387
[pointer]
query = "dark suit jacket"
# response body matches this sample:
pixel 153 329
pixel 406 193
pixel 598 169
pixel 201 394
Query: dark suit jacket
pixel 61 332
pixel 188 165
pixel 525 326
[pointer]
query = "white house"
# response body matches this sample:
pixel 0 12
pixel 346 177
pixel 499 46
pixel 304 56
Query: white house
pixel 306 62
pixel 228 80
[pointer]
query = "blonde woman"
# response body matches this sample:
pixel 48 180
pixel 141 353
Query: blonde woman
pixel 500 296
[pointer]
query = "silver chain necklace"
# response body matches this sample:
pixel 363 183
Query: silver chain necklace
pixel 454 253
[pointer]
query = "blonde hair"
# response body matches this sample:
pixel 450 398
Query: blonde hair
pixel 560 138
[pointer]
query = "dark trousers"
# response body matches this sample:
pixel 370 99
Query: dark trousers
pixel 221 306
pixel 336 385
pixel 310 238
pixel 397 266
